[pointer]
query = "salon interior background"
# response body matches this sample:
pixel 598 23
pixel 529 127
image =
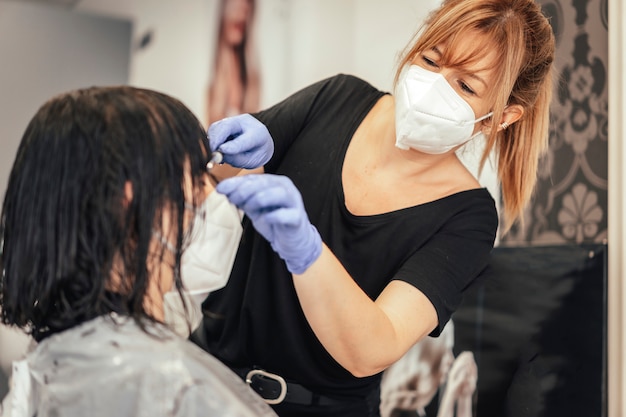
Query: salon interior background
pixel 48 46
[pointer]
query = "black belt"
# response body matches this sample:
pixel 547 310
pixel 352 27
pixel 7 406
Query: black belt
pixel 274 389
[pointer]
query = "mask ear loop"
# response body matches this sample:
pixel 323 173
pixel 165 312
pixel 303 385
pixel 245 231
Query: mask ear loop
pixel 163 240
pixel 480 119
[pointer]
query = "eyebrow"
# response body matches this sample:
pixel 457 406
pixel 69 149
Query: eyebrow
pixel 469 74
pixel 477 78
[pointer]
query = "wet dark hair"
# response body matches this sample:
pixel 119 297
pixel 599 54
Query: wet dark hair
pixel 67 228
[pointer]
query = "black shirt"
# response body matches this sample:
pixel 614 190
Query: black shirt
pixel 439 247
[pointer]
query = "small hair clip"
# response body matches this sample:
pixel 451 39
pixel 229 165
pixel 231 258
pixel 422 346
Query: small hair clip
pixel 216 158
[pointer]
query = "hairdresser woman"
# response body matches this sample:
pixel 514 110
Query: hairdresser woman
pixel 365 229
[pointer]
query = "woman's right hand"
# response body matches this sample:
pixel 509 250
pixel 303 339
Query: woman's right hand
pixel 243 140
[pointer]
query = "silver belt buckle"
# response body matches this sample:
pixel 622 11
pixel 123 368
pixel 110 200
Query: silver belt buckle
pixel 278 378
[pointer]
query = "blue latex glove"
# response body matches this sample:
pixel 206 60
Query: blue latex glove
pixel 275 206
pixel 244 141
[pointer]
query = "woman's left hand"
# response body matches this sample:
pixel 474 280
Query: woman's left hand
pixel 275 206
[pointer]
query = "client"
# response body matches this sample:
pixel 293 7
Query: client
pixel 106 189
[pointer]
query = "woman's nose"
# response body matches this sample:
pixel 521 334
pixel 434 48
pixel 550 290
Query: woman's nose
pixel 446 73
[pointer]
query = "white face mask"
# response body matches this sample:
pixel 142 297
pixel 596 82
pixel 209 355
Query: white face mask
pixel 207 260
pixel 430 116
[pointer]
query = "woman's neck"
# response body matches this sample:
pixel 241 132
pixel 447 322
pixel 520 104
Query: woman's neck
pixel 381 138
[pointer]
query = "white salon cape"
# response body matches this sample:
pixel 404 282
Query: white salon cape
pixel 109 366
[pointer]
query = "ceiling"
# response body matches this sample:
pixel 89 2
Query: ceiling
pixel 62 3
pixel 118 8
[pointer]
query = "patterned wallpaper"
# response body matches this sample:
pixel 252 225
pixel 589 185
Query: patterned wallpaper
pixel 570 202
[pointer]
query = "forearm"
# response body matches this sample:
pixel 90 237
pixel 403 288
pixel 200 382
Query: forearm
pixel 364 336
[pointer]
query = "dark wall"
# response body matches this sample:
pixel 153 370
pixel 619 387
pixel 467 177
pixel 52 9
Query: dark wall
pixel 537 327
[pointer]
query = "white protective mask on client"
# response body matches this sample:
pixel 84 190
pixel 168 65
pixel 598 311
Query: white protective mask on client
pixel 206 261
pixel 430 116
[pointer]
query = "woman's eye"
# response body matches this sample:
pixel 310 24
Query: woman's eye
pixel 466 88
pixel 429 62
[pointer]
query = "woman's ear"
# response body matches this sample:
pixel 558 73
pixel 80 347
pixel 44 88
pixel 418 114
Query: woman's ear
pixel 128 194
pixel 511 114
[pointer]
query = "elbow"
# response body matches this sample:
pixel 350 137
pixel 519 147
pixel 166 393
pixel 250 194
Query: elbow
pixel 362 363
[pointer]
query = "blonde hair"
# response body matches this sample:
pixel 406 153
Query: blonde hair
pixel 524 43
